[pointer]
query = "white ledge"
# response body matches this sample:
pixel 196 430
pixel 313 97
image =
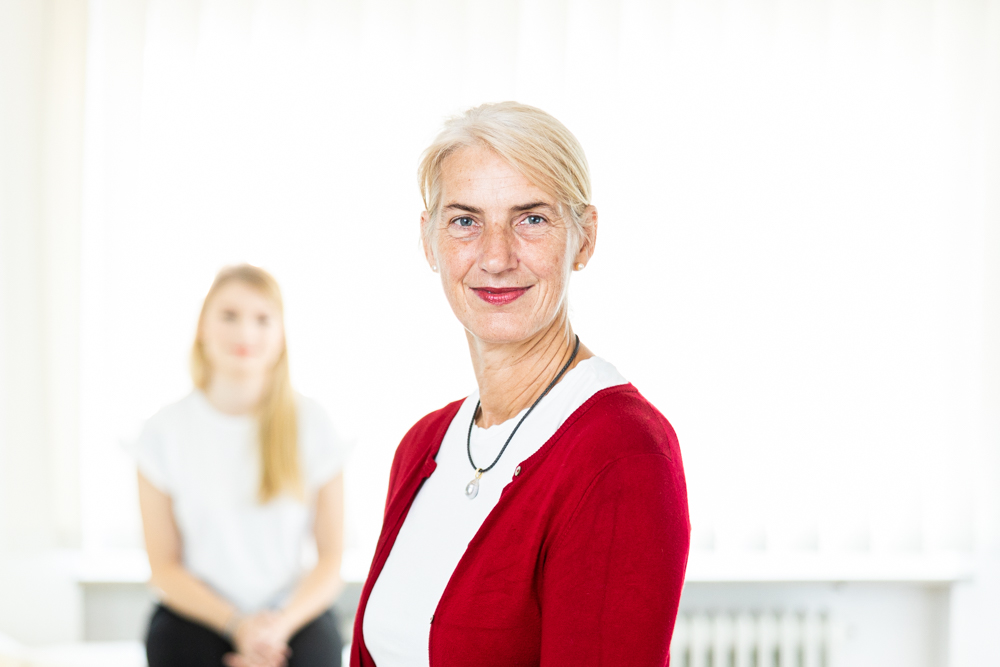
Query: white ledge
pixel 117 566
pixel 129 566
pixel 804 567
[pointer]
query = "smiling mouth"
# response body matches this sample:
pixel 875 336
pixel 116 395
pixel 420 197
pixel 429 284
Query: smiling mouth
pixel 499 296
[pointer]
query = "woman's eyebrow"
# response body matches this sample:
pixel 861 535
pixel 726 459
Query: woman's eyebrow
pixel 464 207
pixel 520 208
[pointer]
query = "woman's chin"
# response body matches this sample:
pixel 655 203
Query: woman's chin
pixel 241 367
pixel 501 330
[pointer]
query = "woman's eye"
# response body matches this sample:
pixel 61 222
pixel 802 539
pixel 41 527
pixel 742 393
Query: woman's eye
pixel 262 320
pixel 534 219
pixel 229 316
pixel 464 222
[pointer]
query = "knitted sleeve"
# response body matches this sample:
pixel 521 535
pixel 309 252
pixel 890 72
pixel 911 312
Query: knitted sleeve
pixel 613 577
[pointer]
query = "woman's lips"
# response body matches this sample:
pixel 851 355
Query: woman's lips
pixel 499 296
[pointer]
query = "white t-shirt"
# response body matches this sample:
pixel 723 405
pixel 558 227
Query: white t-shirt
pixel 442 520
pixel 208 463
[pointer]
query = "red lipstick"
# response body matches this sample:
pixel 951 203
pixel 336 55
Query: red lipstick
pixel 499 296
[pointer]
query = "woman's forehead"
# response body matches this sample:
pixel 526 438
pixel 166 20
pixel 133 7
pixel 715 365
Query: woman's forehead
pixel 476 176
pixel 239 294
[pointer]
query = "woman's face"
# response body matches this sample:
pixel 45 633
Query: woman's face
pixel 503 247
pixel 242 333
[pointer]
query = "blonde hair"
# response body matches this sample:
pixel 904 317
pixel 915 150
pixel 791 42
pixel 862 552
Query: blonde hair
pixel 531 140
pixel 277 422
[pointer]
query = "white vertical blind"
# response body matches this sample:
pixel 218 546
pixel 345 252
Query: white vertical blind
pixel 789 262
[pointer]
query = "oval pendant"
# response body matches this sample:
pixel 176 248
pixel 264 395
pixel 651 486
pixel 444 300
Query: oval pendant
pixel 472 488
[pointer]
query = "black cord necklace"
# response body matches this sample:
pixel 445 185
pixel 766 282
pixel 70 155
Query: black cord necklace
pixel 472 488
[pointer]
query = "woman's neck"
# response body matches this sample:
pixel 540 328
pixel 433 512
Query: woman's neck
pixel 235 395
pixel 512 376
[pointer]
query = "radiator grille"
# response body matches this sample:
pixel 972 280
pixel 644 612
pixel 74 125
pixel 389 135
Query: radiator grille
pixel 751 639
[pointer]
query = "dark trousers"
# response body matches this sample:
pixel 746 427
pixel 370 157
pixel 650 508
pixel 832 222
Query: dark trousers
pixel 174 641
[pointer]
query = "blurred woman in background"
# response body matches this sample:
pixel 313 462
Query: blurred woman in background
pixel 234 479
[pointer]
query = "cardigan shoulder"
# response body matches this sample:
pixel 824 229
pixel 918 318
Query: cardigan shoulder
pixel 421 436
pixel 419 443
pixel 614 424
pixel 615 435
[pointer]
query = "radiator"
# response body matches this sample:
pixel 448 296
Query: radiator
pixel 751 639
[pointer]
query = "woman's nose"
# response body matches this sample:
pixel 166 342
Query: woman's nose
pixel 246 329
pixel 497 252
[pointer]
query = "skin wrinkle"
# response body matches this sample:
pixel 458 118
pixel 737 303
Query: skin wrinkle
pixel 516 348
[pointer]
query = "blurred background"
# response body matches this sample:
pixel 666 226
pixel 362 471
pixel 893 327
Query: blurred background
pixel 798 264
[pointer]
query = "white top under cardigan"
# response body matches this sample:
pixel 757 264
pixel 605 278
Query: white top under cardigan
pixel 442 520
pixel 208 463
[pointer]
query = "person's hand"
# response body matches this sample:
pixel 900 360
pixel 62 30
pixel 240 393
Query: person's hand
pixel 261 640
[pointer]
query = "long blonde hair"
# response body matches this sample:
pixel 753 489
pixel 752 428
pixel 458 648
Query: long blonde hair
pixel 277 423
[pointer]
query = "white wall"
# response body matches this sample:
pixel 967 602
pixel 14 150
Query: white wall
pixel 42 69
pixel 789 262
pixel 975 613
pixel 23 25
pixel 42 45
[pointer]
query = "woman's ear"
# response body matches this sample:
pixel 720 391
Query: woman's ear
pixel 425 238
pixel 588 240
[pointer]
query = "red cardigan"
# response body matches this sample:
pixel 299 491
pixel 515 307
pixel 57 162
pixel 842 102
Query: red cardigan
pixel 582 560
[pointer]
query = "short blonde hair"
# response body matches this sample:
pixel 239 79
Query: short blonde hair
pixel 531 140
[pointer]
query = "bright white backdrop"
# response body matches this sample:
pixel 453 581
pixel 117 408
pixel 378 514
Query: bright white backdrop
pixel 790 260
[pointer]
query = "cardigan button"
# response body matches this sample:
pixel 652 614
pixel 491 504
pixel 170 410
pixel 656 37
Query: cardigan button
pixel 517 471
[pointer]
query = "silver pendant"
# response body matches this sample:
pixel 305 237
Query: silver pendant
pixel 472 488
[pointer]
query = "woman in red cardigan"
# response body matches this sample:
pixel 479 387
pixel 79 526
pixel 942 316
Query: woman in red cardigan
pixel 542 520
